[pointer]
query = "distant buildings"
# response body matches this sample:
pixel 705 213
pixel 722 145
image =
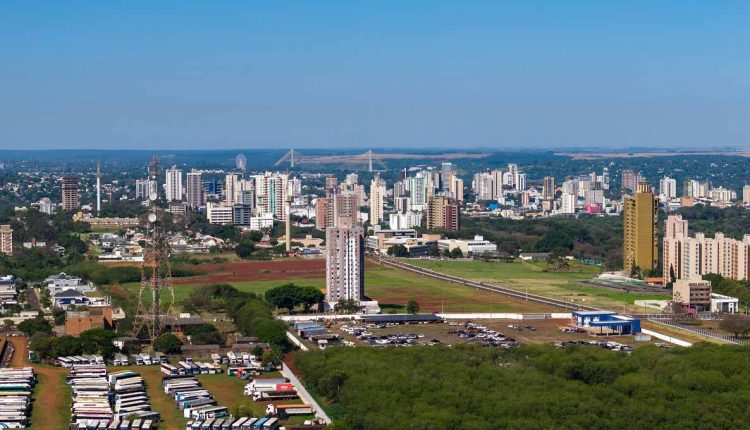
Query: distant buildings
pixel 194 194
pixel 377 200
pixel 6 239
pixel 444 213
pixel 143 188
pixel 668 187
pixel 685 257
pixel 639 225
pixel 271 193
pixel 631 179
pixel 173 184
pixel 70 193
pixel 324 213
pixel 345 262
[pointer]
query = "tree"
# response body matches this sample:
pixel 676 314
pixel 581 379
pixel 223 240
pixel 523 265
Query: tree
pixel 348 306
pixel 309 296
pixel 398 251
pixel 245 250
pixel 456 253
pixel 167 343
pixel 736 323
pixel 34 325
pixel 412 307
pixel 284 297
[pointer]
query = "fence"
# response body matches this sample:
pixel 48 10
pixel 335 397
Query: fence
pixel 698 330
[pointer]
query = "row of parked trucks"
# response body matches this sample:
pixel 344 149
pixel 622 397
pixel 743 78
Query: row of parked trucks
pixel 236 359
pixel 109 402
pixel 16 385
pixel 195 402
pixel 142 359
pixel 188 367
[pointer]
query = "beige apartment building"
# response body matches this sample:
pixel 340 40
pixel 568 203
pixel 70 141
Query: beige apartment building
pixel 345 253
pixel 685 257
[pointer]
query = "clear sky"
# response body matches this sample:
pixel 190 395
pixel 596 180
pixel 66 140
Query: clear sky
pixel 459 74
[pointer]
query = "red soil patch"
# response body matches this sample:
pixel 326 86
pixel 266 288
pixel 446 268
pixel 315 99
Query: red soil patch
pixel 255 271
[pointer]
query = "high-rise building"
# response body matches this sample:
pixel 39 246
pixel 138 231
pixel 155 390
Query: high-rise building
pixel 98 189
pixel 418 191
pixel 377 199
pixel 639 225
pixel 548 188
pixel 568 203
pixel 456 188
pixel 6 239
pixel 497 181
pixel 173 184
pixel 605 178
pixel 345 278
pixel 271 191
pixel 520 181
pixel 324 213
pixel 446 170
pixel 231 188
pixel 511 175
pixel 668 187
pixel 143 188
pixel 631 179
pixel 345 206
pixel 351 179
pixel 444 213
pixel 69 193
pixel 401 205
pixel 484 186
pixel 194 191
pixel 685 257
pixel 746 195
pixel 331 186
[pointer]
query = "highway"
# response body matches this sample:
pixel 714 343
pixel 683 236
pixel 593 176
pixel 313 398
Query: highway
pixel 390 262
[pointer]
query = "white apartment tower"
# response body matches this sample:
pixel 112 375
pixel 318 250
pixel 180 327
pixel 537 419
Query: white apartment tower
pixel 173 184
pixel 345 262
pixel 377 199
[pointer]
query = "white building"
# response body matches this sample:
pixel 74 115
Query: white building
pixel 271 191
pixel 345 262
pixel 261 222
pixel 520 181
pixel 219 213
pixel 377 199
pixel 477 246
pixel 668 187
pixel 406 220
pixel 568 203
pixel 173 184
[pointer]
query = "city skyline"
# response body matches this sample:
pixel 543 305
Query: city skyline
pixel 418 75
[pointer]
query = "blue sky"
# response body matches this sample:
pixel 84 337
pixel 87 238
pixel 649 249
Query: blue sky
pixel 499 74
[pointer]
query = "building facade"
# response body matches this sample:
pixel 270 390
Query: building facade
pixel 345 262
pixel 639 230
pixel 194 194
pixel 173 184
pixel 377 200
pixel 70 193
pixel 6 239
pixel 444 213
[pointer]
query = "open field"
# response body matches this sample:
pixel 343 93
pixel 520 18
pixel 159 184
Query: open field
pixel 608 155
pixel 391 287
pixel 533 277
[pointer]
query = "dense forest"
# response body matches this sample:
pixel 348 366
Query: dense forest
pixel 532 387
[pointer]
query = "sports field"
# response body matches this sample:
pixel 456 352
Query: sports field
pixel 536 278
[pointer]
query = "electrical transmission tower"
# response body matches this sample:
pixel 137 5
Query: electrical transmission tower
pixel 156 272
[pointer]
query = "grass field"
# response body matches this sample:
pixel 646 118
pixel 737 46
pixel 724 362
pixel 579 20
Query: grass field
pixel 391 287
pixel 534 278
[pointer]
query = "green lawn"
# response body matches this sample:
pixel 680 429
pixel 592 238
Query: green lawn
pixel 391 287
pixel 535 278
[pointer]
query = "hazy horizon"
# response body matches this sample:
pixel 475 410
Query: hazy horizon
pixel 423 74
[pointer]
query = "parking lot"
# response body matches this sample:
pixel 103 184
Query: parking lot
pixel 497 333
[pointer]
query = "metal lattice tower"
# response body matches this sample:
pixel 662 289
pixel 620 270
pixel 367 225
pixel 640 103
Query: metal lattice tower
pixel 156 272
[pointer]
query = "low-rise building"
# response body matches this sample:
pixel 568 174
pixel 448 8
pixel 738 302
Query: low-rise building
pixel 724 304
pixel 693 293
pixel 476 246
pixel 70 297
pixel 77 322
pixel 62 282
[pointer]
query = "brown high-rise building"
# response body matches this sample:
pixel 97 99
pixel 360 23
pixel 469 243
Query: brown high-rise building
pixel 443 212
pixel 324 213
pixel 6 240
pixel 640 247
pixel 331 186
pixel 70 193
